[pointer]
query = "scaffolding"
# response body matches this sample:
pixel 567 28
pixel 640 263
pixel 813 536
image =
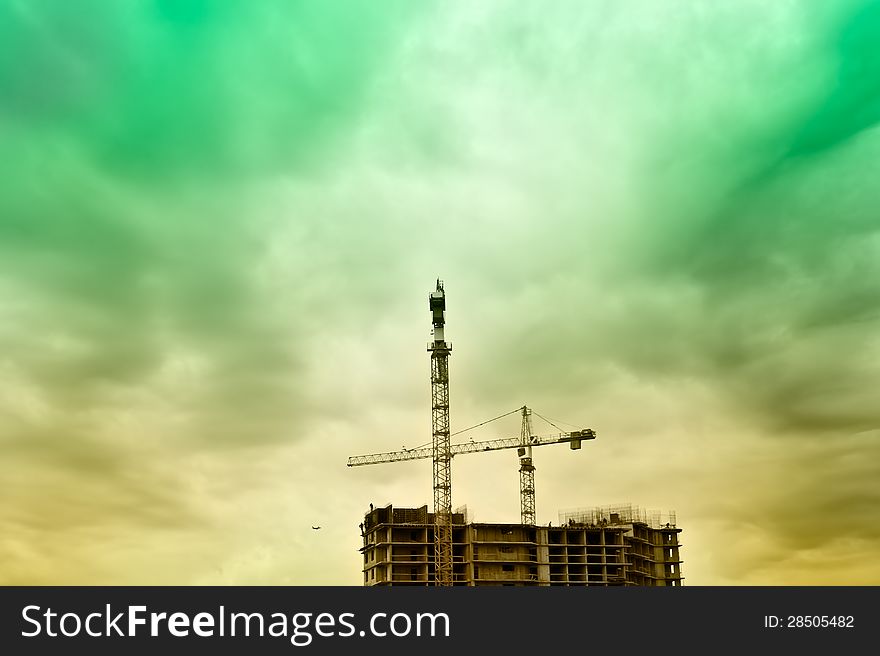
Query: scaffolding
pixel 616 515
pixel 410 515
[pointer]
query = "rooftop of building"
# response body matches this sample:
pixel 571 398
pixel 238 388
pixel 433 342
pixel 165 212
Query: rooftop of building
pixel 618 515
pixel 596 517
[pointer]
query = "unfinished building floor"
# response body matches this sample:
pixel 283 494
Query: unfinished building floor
pixel 596 547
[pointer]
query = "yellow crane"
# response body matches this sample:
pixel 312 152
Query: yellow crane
pixel 523 444
pixel 441 450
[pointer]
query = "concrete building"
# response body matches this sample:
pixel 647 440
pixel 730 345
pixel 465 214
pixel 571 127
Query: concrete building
pixel 600 546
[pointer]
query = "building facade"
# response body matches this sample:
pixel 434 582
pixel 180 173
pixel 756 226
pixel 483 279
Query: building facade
pixel 603 547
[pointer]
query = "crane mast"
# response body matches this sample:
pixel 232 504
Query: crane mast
pixel 440 446
pixel 526 471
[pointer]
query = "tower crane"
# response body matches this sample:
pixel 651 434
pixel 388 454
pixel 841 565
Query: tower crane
pixel 440 453
pixel 441 450
pixel 523 444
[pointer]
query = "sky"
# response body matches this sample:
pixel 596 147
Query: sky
pixel 219 223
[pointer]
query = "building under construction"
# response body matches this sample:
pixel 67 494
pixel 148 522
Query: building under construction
pixel 601 547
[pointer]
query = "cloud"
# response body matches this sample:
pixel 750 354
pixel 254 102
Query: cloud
pixel 218 226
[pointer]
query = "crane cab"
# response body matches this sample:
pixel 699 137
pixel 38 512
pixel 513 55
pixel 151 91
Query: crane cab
pixel 437 305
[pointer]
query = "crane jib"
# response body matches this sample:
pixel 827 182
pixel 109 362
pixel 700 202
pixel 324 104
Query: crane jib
pixel 573 439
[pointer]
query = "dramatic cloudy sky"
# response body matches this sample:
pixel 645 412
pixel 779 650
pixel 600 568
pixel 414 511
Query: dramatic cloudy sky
pixel 219 223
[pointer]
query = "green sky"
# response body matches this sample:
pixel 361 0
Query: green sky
pixel 219 222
